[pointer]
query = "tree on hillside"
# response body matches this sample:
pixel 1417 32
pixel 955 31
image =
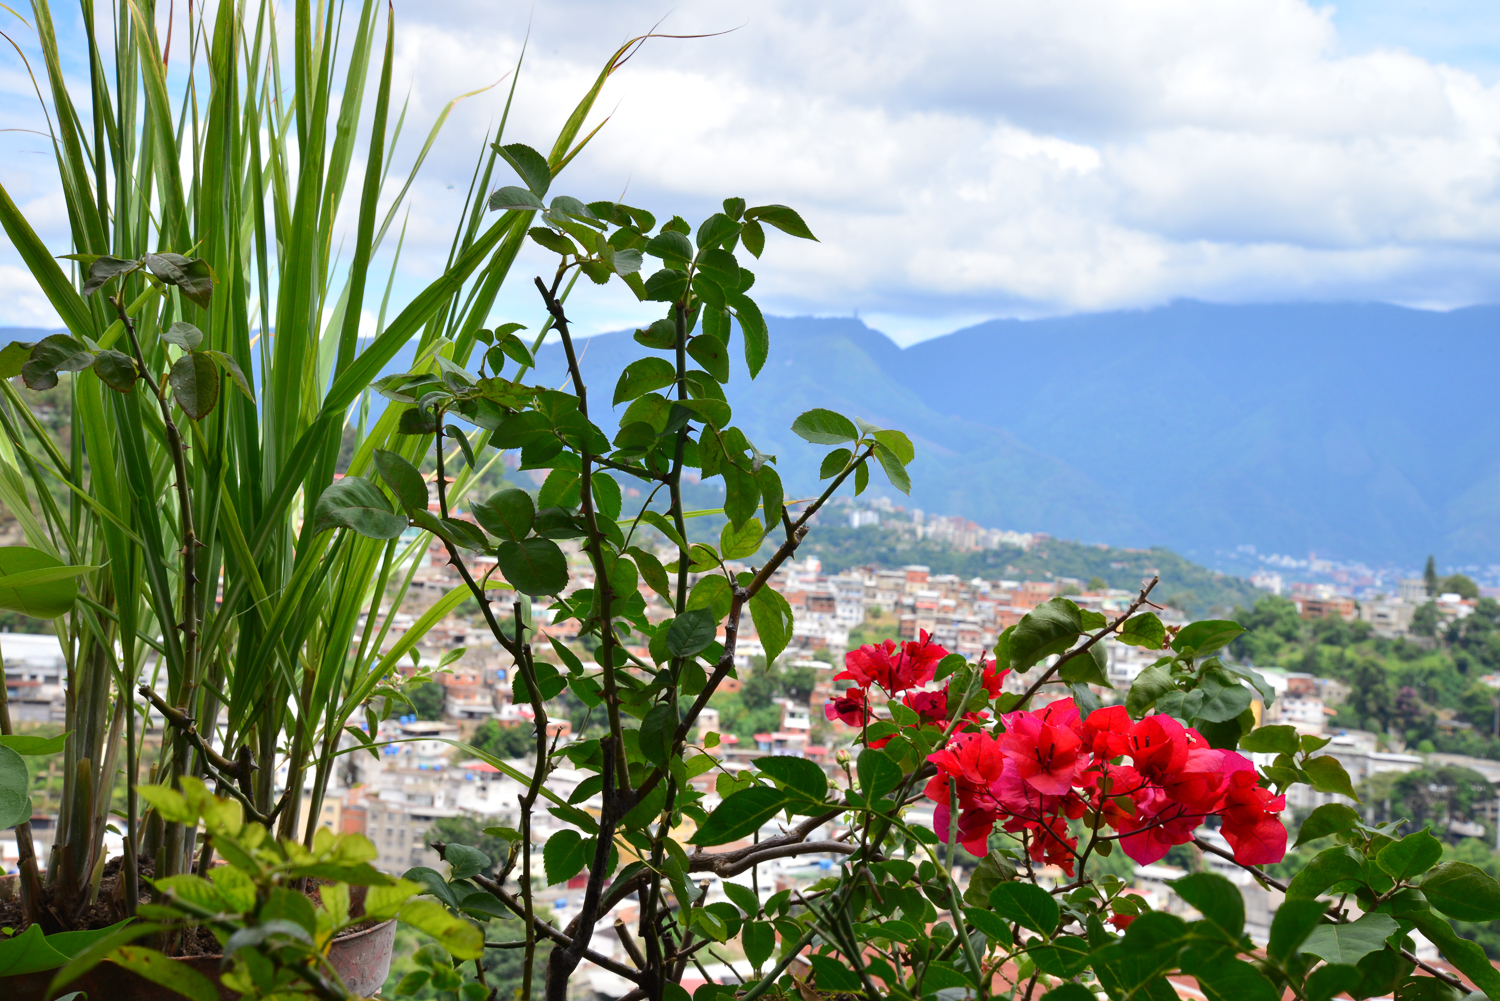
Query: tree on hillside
pixel 1460 585
pixel 1424 621
pixel 427 700
pixel 504 741
pixel 1430 576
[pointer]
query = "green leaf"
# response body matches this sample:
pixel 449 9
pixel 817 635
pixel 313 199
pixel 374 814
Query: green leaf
pixel 51 355
pixel 357 504
pixel 1216 898
pixel 191 275
pixel 534 567
pixel 1294 921
pixel 991 871
pixel 652 572
pixel 403 479
pixel 772 615
pixel 1234 980
pixel 465 861
pixel 553 241
pixel 285 904
pixel 1349 943
pixel 877 773
pixel 23 744
pixel 691 632
pixel 753 325
pixel 1206 636
pixel 100 270
pixel 13 356
pixel 117 370
pixel 758 939
pixel 666 285
pixel 737 543
pixel 642 376
pixel 461 938
pixel 1271 740
pixel 894 470
pixel 1150 685
pixel 1050 628
pixel 899 445
pixel 797 774
pixel 236 374
pixel 1144 630
pixel 833 975
pixel 834 463
pixel 1462 953
pixel 753 237
pixel 783 218
pixel 1411 856
pixel 743 897
pixel 174 975
pixel 1330 818
pixel 712 592
pixel 1463 892
pixel 719 264
pixel 184 335
pixel 530 164
pixel 824 427
pixel 1091 668
pixel 195 384
pixel 1329 981
pixel 1218 698
pixel 30 952
pixel 670 246
pixel 507 515
pixel 1069 992
pixel 1327 868
pixel 711 353
pixel 658 733
pixel 1327 775
pixel 514 199
pixel 740 815
pixel 1026 904
pixel 36 584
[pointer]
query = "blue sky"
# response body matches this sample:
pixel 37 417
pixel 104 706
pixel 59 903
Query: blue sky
pixel 962 161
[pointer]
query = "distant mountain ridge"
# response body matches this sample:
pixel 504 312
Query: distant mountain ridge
pixel 1358 431
pixel 1353 430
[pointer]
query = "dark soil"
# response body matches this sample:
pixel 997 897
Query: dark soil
pixel 108 908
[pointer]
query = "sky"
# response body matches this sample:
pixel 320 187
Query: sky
pixel 962 161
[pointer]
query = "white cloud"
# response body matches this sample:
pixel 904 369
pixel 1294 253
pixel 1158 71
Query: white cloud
pixel 959 160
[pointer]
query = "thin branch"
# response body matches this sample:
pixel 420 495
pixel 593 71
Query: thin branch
pixel 1079 650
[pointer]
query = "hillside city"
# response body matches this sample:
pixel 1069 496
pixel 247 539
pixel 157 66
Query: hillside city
pixel 419 787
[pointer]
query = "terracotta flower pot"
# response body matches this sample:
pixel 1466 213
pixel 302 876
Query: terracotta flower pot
pixel 362 959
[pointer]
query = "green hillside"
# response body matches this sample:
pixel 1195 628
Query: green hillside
pixel 1184 584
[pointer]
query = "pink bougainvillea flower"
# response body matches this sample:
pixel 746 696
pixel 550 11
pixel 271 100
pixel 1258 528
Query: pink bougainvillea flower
pixel 1158 745
pixel 1158 825
pixel 1044 750
pixel 1108 731
pixel 992 678
pixel 852 707
pixel 974 759
pixel 1251 825
pixel 895 668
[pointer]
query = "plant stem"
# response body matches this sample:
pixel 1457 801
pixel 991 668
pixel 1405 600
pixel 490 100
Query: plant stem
pixel 171 862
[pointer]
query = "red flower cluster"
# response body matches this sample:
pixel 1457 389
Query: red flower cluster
pixel 900 669
pixel 1049 765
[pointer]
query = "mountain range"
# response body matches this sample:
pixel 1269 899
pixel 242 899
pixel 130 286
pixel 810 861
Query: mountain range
pixel 1356 431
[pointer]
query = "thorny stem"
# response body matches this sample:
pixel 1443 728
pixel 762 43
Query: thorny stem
pixel 1084 647
pixel 602 588
pixel 172 847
